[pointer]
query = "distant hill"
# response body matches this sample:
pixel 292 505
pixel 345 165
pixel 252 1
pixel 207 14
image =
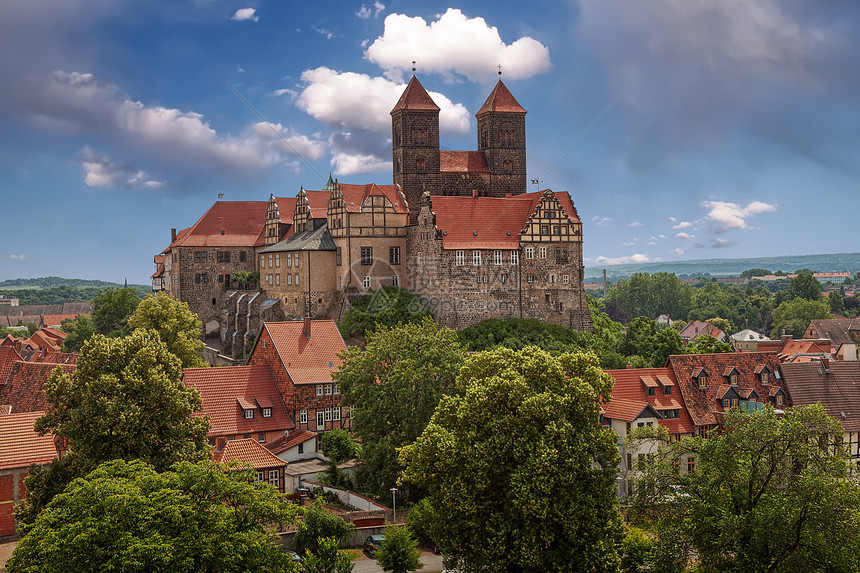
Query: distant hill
pixel 839 262
pixel 56 290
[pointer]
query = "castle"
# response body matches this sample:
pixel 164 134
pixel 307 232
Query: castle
pixel 456 227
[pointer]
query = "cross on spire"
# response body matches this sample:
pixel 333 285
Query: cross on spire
pixel 500 69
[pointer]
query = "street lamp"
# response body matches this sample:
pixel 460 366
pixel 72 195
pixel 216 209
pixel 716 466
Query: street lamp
pixel 394 505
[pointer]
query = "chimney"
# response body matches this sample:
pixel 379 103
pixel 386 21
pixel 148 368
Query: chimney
pixel 825 362
pixel 474 193
pixel 306 327
pixel 221 442
pixel 172 235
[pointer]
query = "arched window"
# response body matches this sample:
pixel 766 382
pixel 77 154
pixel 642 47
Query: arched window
pixel 420 133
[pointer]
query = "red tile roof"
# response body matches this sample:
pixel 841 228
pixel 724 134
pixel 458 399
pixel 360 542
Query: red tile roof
pixel 702 405
pixel 8 356
pixel 355 196
pixel 45 341
pixel 501 100
pixel 226 223
pixel 292 440
pixel 56 320
pixel 463 161
pixel 55 357
pixel 20 446
pixel 626 410
pixel 24 389
pixel 307 360
pixel 415 97
pixel 222 388
pixel 629 386
pixel 248 452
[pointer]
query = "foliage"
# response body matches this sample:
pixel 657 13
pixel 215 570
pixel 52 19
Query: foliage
pixel 176 325
pixel 124 516
pixel 750 273
pixel 79 330
pixel 715 299
pixel 399 551
pixel 806 286
pixel 517 333
pixel 757 307
pixel 395 383
pixel 111 309
pixel 245 279
pixel 636 551
pixel 338 446
pixel 654 345
pixel 57 290
pixel 518 469
pixel 319 524
pixel 388 306
pixel 793 316
pixel 707 344
pixel 419 519
pixel 652 295
pixel 835 300
pixel 768 494
pixel 327 559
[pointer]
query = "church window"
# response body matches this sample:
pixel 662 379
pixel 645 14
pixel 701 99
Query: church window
pixel 420 133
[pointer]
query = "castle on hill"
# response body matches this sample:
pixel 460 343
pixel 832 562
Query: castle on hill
pixel 456 227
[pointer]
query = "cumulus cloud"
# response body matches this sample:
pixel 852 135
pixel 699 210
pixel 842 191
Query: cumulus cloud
pixel 284 140
pixel 635 258
pixel 19 257
pixel 100 171
pixel 684 236
pixel 636 224
pixel 725 215
pixel 370 11
pixel 454 46
pixel 601 220
pixel 721 244
pixel 246 15
pixel 353 164
pixel 683 225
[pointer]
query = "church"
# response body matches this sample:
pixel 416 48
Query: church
pixel 456 227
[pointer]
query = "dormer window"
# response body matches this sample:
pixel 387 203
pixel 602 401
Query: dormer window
pixel 267 412
pixel 732 374
pixel 765 377
pixel 249 414
pixel 701 376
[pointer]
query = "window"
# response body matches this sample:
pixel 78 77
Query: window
pixel 504 278
pixel 336 414
pixel 497 258
pixel 303 417
pixel 211 441
pixel 301 448
pixel 460 258
pixel 319 389
pixel 352 411
pixel 542 252
pixel 556 230
pixel 544 229
pixel 667 390
pixel 339 282
pixel 530 278
pixel 201 278
pixel 249 414
pixel 733 379
pixel 220 278
pixel 243 256
pixel 320 420
pixel 223 256
pixel 418 259
pixel 552 279
pixel 296 260
pixel 691 465
pixel 650 391
pixel 367 255
pixel 565 279
pixel 366 282
pixel 476 258
pixel 261 437
pixel 779 399
pixel 277 259
pixel 275 478
pixel 334 389
pixel 267 412
pixel 395 280
pixel 515 257
pixel 278 278
pixel 530 252
pixel 263 343
pixel 289 279
pixel 703 381
pixel 394 255
pixel 726 403
pixel 200 256
pixel 247 436
pixel 328 414
pixel 338 257
pixel 328 389
pixel 271 258
pixel 289 260
pixel 260 475
pixel 262 261
pixel 296 279
pixel 765 378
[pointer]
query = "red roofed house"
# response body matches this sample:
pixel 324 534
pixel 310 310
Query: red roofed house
pixel 302 356
pixel 696 329
pixel 843 334
pixel 23 388
pixel 268 467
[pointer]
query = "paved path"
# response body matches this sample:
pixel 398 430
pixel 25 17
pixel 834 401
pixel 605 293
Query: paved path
pixel 432 563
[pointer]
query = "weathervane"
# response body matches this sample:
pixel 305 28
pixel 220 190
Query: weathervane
pixel 413 66
pixel 500 69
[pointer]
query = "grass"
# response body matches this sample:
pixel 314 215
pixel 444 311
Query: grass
pixel 353 553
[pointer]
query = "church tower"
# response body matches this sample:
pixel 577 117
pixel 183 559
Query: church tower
pixel 415 143
pixel 502 138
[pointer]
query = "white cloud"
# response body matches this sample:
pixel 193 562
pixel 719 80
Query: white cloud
pixel 100 171
pixel 286 92
pixel 328 34
pixel 358 101
pixel 352 164
pixel 635 258
pixel 671 219
pixel 281 139
pixel 724 215
pixel 246 15
pixel 368 11
pixel 601 220
pixel 721 244
pixel 636 224
pixel 678 251
pixel 454 45
pixel 20 257
pixel 683 225
pixel 630 242
pixel 685 236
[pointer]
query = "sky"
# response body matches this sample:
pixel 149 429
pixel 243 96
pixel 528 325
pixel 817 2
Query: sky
pixel 683 129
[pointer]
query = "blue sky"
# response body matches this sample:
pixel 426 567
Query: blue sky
pixel 736 135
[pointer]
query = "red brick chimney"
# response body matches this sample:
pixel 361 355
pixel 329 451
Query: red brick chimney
pixel 172 235
pixel 306 327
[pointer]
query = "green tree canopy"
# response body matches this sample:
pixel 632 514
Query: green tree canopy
pixel 388 306
pixel 715 299
pixel 793 316
pixel 521 476
pixel 767 494
pixel 337 446
pixel 79 330
pixel 399 552
pixel 124 516
pixel 653 295
pixel 176 325
pixel 517 333
pixel 750 273
pixel 395 383
pixel 835 300
pixel 327 559
pixel 111 309
pixel 804 285
pixel 707 344
pixel 319 524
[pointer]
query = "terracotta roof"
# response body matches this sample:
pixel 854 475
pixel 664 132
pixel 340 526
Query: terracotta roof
pixel 628 410
pixel 56 320
pixel 223 389
pixel 20 446
pixel 8 356
pixel 463 161
pixel 307 360
pixel 500 100
pixel 24 389
pixel 838 390
pixel 629 386
pixel 226 224
pixel 55 357
pixel 415 97
pixel 318 203
pixel 835 329
pixel 355 196
pixel 293 439
pixel 159 270
pixel 489 222
pixel 55 333
pixel 248 452
pixel 702 404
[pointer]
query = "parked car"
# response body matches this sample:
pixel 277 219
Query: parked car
pixel 295 557
pixel 373 543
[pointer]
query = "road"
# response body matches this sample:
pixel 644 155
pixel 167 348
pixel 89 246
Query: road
pixel 432 563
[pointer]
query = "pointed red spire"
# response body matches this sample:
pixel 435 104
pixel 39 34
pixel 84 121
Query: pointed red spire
pixel 501 100
pixel 415 97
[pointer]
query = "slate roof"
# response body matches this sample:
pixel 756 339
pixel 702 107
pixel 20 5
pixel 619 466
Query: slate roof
pixel 307 360
pixel 501 100
pixel 226 224
pixel 463 162
pixel 24 389
pixel 20 446
pixel 222 388
pixel 318 239
pixel 838 390
pixel 702 405
pixel 415 97
pixel 630 387
pixel 489 222
pixel 834 329
pixel 248 452
pixel 292 440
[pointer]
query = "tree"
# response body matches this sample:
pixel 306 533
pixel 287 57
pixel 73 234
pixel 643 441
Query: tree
pixel 707 344
pixel 419 519
pixel 652 295
pixel 521 476
pixel 805 285
pixel 793 316
pixel 714 299
pixel 319 524
pixel 327 558
pixel 111 309
pixel 388 306
pixel 517 333
pixel 245 279
pixel 835 300
pixel 79 330
pixel 399 552
pixel 395 383
pixel 768 494
pixel 750 273
pixel 176 325
pixel 338 447
pixel 125 516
